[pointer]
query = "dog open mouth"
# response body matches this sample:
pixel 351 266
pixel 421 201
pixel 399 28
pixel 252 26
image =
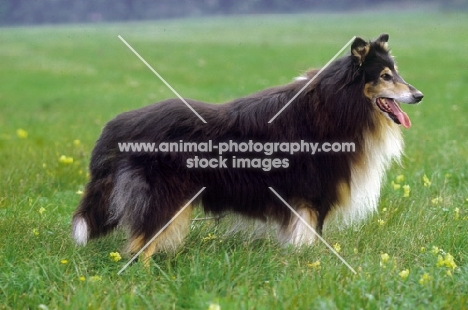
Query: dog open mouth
pixel 393 110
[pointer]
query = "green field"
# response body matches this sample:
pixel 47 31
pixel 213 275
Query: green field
pixel 59 85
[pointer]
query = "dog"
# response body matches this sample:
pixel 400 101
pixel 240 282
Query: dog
pixel 355 99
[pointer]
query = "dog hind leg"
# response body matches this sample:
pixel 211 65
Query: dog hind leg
pixel 296 232
pixel 169 240
pixel 145 202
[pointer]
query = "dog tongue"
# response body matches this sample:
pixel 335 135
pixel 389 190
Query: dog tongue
pixel 396 110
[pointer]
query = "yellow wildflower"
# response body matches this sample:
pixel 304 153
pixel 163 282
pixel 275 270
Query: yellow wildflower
pixel 423 249
pixel 82 278
pixel 115 256
pixel 337 247
pixel 457 213
pixel 63 261
pixel 426 278
pixel 396 186
pixel 76 142
pixel 214 306
pixel 41 210
pixel 381 222
pixel 66 160
pixel 384 258
pixel 209 237
pixel 426 181
pixel 315 265
pixel 406 190
pixel 435 250
pixel 400 178
pixel 404 274
pixel 35 232
pixel 437 200
pixel 355 250
pixel 95 279
pixel 21 133
pixel 446 261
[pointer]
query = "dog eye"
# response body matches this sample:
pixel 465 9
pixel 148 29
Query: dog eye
pixel 386 77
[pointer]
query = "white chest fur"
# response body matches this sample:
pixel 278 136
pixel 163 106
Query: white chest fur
pixel 366 176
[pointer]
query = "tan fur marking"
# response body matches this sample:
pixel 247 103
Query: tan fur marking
pixel 371 91
pixel 361 52
pixel 145 257
pixel 173 236
pixel 381 88
pixel 344 193
pixel 386 70
pixel 297 233
pixel 168 241
pixel 382 126
pixel 135 244
pixel 384 45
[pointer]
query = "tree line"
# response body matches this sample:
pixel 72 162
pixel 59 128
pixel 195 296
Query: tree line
pixel 68 11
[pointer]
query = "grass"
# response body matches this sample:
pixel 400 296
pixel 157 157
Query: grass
pixel 61 84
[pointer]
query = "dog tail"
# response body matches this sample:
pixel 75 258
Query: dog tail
pixel 92 217
pixel 80 229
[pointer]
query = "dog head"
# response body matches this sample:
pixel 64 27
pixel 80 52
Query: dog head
pixel 384 87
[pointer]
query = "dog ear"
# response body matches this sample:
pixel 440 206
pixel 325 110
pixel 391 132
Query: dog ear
pixel 382 41
pixel 382 38
pixel 359 49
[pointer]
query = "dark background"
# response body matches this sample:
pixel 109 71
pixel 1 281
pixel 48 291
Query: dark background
pixel 18 12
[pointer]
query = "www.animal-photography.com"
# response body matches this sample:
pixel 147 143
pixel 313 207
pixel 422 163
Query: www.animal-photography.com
pixel 233 155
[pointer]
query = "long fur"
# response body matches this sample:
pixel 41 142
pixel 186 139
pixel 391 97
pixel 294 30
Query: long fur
pixel 143 191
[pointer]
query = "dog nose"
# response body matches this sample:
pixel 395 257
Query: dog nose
pixel 418 96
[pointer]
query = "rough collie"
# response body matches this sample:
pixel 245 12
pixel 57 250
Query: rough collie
pixel 356 99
